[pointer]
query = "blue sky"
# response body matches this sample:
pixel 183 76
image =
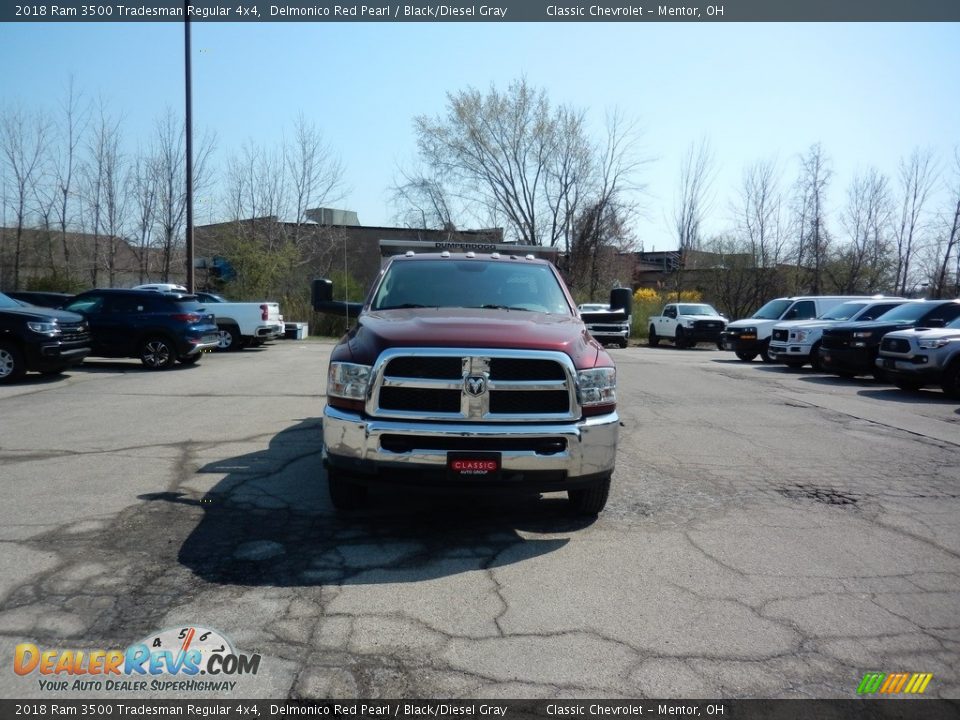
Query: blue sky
pixel 868 92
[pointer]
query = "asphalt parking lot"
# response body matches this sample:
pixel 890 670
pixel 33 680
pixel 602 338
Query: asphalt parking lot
pixel 770 533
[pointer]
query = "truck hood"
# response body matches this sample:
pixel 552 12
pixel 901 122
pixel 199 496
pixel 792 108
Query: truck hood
pixel 922 333
pixel 473 328
pixel 703 317
pixel 879 327
pixel 750 322
pixel 807 324
pixel 33 312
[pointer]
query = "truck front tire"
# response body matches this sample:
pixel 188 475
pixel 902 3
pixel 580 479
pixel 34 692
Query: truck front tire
pixel 12 365
pixel 590 500
pixel 950 381
pixel 652 339
pixel 679 339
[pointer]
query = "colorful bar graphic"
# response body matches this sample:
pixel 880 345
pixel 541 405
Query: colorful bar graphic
pixel 894 683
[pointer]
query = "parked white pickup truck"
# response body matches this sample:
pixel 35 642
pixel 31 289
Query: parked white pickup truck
pixel 686 324
pixel 243 323
pixel 240 323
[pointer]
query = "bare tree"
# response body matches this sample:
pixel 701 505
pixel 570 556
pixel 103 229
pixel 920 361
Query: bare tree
pixel 918 176
pixel 422 201
pixel 70 136
pixel 142 186
pixel 950 240
pixel 170 172
pixel 863 264
pixel 813 240
pixel 23 141
pixel 759 221
pixel 113 190
pixel 601 230
pixel 315 172
pixel 693 203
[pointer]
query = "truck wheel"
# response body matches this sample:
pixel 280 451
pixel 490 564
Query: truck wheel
pixel 229 339
pixel 623 343
pixel 765 353
pixel 590 500
pixel 815 357
pixel 950 381
pixel 345 494
pixel 652 339
pixel 158 353
pixel 12 365
pixel 746 356
pixel 679 340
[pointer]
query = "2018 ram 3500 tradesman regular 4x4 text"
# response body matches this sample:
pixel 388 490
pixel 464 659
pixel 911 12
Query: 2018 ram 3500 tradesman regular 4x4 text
pixel 469 370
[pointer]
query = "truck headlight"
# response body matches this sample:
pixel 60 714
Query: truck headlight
pixel 347 383
pixel 688 323
pixel 50 328
pixel 934 343
pixel 801 335
pixel 597 390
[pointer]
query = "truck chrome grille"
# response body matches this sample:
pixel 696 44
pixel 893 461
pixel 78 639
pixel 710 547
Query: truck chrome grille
pixel 832 341
pixel 708 325
pixel 521 369
pixel 419 400
pixel 895 345
pixel 425 367
pixel 474 385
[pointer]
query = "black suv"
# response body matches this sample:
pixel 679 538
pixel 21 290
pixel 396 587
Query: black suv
pixel 40 339
pixel 852 349
pixel 41 298
pixel 160 328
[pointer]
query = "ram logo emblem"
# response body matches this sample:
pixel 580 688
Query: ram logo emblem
pixel 475 385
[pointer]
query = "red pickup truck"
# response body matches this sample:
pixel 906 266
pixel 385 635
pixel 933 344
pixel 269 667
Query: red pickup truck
pixel 468 370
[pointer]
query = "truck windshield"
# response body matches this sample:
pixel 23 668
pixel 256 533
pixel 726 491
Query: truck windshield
pixel 472 284
pixel 697 310
pixel 844 311
pixel 907 313
pixel 7 302
pixel 773 310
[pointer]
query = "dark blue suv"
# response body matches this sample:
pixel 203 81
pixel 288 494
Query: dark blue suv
pixel 160 328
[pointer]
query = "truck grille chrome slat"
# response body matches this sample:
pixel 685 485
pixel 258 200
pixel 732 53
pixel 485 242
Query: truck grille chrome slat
pixel 488 385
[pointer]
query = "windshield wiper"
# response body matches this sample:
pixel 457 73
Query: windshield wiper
pixel 502 307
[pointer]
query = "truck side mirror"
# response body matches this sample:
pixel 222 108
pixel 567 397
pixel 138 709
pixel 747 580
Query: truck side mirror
pixel 621 299
pixel 321 297
pixel 321 291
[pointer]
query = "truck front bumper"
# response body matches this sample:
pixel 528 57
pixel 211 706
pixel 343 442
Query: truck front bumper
pixel 544 457
pixel 789 352
pixel 915 368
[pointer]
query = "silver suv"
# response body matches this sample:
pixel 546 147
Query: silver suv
pixel 923 356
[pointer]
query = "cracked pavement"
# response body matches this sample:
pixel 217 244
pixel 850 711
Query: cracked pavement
pixel 770 533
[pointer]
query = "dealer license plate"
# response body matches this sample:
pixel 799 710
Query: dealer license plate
pixel 474 466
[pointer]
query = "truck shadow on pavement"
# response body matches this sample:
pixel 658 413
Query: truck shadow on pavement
pixel 269 522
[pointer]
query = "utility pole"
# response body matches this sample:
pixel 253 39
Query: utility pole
pixel 188 128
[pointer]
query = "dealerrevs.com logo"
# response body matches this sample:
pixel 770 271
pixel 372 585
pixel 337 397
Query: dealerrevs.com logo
pixel 178 659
